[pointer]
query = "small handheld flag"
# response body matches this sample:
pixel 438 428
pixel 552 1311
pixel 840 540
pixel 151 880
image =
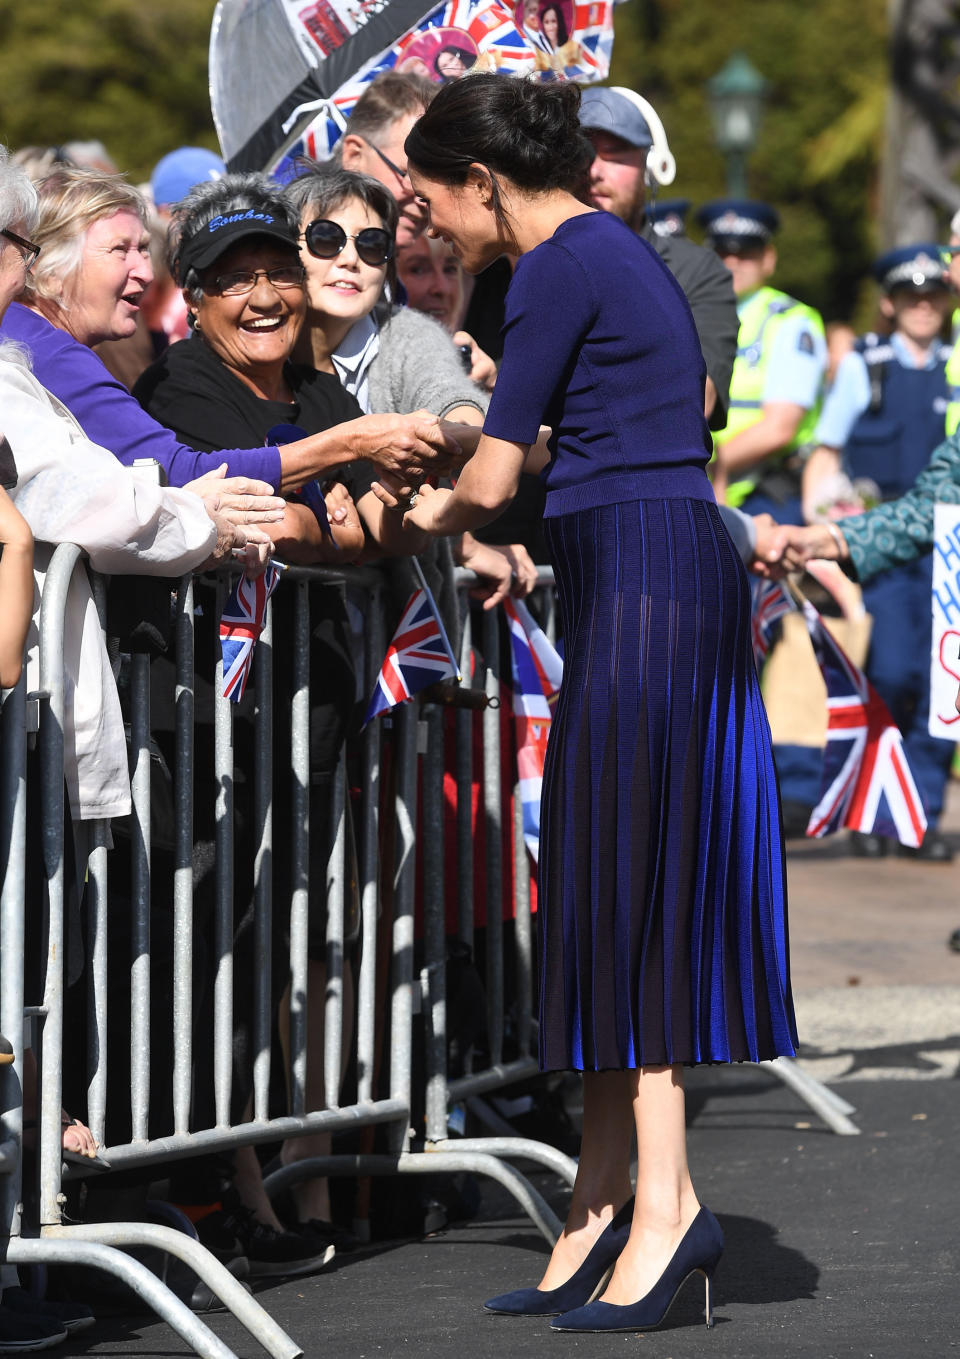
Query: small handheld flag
pixel 771 601
pixel 419 655
pixel 241 624
pixel 866 783
pixel 537 672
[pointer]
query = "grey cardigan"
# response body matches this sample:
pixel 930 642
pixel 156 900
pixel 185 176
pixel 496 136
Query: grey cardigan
pixel 418 368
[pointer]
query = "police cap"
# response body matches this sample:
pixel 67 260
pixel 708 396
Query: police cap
pixel 668 216
pixel 732 223
pixel 911 266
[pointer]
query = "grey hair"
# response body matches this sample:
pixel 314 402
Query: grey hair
pixel 319 189
pixel 217 198
pixel 18 197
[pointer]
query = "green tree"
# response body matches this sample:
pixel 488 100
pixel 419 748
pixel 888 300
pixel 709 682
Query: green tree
pixel 819 148
pixel 130 73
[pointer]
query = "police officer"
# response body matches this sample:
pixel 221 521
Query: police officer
pixel 631 151
pixel 881 421
pixel 777 379
pixel 668 216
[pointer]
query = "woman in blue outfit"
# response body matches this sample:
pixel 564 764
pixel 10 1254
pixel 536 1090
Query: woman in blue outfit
pixel 662 891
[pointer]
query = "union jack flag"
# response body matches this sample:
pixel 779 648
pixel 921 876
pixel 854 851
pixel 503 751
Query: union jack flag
pixel 537 671
pixel 418 656
pixel 866 783
pixel 241 624
pixel 771 601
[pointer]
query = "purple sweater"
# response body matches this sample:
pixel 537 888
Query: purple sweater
pixel 108 414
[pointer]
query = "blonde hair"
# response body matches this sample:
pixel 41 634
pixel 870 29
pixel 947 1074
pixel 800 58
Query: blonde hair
pixel 71 200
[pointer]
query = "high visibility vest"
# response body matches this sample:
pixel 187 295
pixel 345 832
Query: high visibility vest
pixel 762 316
pixel 953 389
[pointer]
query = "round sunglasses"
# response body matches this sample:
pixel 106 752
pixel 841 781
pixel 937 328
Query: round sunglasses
pixel 326 239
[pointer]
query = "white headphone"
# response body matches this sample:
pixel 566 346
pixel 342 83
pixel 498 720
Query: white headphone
pixel 661 166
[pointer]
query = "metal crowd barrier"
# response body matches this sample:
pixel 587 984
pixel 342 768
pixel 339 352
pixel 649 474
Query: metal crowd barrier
pixel 101 1245
pixel 418 737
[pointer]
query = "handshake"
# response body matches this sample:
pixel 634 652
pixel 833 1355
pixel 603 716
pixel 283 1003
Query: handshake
pixel 781 548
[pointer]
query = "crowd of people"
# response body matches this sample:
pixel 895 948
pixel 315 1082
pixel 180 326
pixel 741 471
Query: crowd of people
pixel 307 372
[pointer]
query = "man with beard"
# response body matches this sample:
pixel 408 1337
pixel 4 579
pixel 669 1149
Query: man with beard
pixel 627 155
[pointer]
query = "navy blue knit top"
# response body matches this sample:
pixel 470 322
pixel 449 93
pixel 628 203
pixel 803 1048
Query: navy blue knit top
pixel 600 345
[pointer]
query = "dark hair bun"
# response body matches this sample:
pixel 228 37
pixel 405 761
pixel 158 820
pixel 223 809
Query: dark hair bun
pixel 519 128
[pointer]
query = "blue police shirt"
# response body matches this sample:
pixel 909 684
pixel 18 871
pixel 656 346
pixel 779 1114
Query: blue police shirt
pixel 849 396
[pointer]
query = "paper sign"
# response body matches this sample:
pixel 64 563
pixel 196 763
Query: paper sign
pixel 945 647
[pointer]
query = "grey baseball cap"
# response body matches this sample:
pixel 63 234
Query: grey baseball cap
pixel 607 110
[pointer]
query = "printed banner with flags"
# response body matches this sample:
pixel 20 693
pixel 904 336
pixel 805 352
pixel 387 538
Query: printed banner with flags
pixel 771 601
pixel 285 74
pixel 419 655
pixel 867 784
pixel 241 624
pixel 537 671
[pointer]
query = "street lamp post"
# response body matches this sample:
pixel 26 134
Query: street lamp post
pixel 736 95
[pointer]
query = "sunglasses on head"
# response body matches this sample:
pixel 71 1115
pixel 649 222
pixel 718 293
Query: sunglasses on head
pixel 326 239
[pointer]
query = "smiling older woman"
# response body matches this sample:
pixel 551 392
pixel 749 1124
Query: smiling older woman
pixel 87 287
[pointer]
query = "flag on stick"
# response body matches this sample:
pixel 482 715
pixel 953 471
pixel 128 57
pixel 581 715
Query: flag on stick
pixel 419 655
pixel 537 670
pixel 866 783
pixel 241 624
pixel 771 601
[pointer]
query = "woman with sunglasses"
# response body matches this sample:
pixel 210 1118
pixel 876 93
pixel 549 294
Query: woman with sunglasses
pixel 391 358
pixel 662 913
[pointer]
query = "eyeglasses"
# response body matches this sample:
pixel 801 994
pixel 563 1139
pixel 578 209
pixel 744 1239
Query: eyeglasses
pixel 400 174
pixel 27 249
pixel 245 280
pixel 326 239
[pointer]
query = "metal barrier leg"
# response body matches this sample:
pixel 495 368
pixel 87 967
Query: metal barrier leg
pixel 146 1285
pixel 242 1304
pixel 529 1199
pixel 516 1149
pixel 815 1095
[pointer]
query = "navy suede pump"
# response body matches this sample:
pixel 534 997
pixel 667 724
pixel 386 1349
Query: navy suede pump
pixel 590 1279
pixel 700 1250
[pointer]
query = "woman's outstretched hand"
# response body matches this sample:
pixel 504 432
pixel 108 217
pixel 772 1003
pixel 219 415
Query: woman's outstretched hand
pixel 425 509
pixel 409 446
pixel 243 500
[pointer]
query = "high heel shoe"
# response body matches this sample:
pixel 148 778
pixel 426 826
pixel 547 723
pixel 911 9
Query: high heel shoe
pixel 589 1280
pixel 700 1250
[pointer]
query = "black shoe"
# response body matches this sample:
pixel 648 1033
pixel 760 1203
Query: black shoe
pixel 867 846
pixel 934 849
pixel 24 1334
pixel 271 1254
pixel 954 941
pixel 328 1234
pixel 72 1316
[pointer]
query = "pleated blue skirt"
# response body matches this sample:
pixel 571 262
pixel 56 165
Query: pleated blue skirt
pixel 662 886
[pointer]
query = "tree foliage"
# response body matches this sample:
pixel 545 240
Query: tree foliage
pixel 818 154
pixel 130 73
